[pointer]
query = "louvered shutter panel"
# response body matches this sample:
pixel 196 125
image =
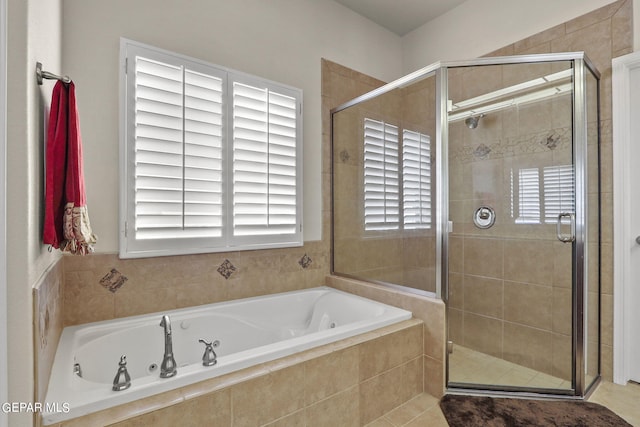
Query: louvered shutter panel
pixel 381 176
pixel 528 196
pixel 558 192
pixel 211 157
pixel 416 180
pixel 264 161
pixel 178 152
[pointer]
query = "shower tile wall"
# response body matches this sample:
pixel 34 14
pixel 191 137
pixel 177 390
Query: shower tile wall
pixel 510 294
pixel 401 257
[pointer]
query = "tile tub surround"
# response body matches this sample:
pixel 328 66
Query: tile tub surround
pixel 430 310
pixel 47 306
pixel 104 287
pixel 335 384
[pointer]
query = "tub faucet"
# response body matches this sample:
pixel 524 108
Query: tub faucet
pixel 168 367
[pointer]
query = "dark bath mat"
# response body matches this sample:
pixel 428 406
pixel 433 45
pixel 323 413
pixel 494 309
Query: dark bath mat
pixel 482 411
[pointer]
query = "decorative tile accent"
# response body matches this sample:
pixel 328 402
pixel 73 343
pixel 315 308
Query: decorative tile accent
pixel 516 146
pixel 344 156
pixel 305 261
pixel 551 142
pixel 482 151
pixel 226 269
pixel 113 280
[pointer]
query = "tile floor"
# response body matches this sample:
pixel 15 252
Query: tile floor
pixel 423 410
pixel 470 366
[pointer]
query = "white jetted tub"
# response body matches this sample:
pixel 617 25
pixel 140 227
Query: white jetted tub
pixel 249 331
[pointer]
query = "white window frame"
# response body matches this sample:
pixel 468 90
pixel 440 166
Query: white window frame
pixel 130 247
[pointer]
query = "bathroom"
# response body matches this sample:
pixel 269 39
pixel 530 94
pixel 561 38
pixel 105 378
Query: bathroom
pixel 81 39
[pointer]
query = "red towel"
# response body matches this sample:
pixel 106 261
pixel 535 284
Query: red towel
pixel 66 220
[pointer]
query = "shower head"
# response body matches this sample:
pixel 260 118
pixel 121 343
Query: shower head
pixel 472 121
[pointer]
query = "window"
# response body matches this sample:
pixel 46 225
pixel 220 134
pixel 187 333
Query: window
pixel 381 176
pixel 385 166
pixel 416 180
pixel 210 157
pixel 541 195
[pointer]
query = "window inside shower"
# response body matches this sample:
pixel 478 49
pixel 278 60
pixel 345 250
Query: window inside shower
pixel 383 188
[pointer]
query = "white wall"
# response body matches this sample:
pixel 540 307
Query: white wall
pixel 478 27
pixel 33 32
pixel 257 37
pixel 282 40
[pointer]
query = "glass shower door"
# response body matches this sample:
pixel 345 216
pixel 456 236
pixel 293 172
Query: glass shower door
pixel 512 203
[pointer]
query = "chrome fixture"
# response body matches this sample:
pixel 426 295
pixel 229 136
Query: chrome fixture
pixel 122 380
pixel 484 217
pixel 566 238
pixel 77 369
pixel 168 367
pixel 209 358
pixel 472 121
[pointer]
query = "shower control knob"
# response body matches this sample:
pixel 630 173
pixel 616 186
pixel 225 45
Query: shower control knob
pixel 638 240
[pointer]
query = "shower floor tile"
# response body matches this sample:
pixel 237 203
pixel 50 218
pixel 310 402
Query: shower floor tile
pixel 473 367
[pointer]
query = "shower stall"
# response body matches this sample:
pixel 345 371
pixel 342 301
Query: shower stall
pixel 478 182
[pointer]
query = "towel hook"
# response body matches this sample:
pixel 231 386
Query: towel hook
pixel 40 75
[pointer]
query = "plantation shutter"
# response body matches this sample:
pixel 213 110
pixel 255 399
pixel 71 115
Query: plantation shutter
pixel 178 152
pixel 264 161
pixel 416 180
pixel 381 176
pixel 528 196
pixel 211 158
pixel 558 192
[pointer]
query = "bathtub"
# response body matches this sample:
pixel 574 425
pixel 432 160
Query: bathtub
pixel 249 331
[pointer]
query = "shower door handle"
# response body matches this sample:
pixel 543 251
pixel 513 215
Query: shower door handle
pixel 566 238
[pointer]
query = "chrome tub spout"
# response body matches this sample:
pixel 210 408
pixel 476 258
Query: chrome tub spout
pixel 168 367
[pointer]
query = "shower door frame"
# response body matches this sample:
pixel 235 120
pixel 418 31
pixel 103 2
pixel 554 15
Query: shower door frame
pixel 581 65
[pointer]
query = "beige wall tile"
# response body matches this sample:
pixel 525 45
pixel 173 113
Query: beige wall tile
pixel 434 377
pixel 483 296
pixel 342 409
pixel 483 334
pixel 528 304
pixel 528 347
pixel 265 399
pixel 211 409
pixel 562 311
pixel 388 351
pixel 562 355
pixel 297 419
pixel 325 376
pixel 412 378
pixel 528 261
pixel 483 257
pixel 380 394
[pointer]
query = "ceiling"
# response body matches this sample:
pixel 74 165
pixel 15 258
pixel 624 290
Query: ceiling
pixel 401 16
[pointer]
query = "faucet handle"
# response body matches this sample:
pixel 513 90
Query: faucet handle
pixel 209 358
pixel 122 380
